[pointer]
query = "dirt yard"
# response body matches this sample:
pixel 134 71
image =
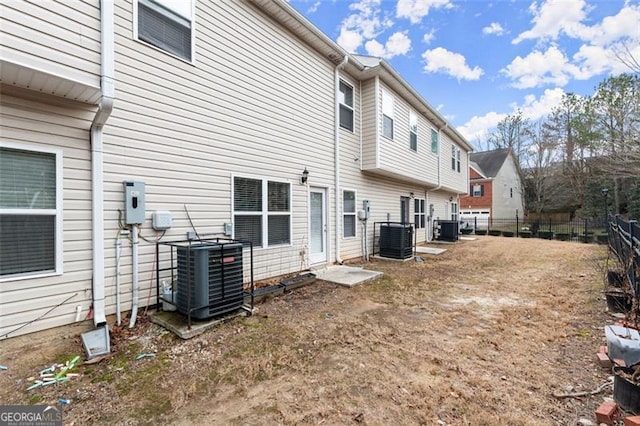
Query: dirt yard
pixel 483 334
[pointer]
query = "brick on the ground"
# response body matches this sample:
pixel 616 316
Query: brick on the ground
pixel 607 413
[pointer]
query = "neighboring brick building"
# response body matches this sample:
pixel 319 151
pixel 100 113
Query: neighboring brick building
pixel 495 189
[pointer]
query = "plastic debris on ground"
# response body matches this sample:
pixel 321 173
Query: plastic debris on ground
pixel 56 373
pixel 142 356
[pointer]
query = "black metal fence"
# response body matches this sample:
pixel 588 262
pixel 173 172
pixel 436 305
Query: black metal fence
pixel 582 230
pixel 624 243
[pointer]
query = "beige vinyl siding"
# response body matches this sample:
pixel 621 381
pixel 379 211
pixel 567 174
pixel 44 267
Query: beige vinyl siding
pixel 395 158
pixel 58 37
pixel 453 180
pixel 257 103
pixel 506 181
pixel 369 125
pixel 28 121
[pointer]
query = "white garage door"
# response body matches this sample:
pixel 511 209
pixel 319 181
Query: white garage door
pixel 479 218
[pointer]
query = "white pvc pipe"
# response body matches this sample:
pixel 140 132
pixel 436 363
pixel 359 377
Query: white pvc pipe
pixel 118 252
pixel 134 271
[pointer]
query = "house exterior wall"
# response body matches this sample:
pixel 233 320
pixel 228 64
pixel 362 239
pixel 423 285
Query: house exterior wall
pixel 485 201
pixel 255 103
pixel 61 38
pixel 35 121
pixel 507 191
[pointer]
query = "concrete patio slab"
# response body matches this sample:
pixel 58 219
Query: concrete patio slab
pixel 430 250
pixel 346 275
pixel 177 323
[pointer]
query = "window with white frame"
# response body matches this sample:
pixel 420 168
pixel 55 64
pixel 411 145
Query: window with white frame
pixel 454 211
pixel 349 214
pixel 387 115
pixel 167 25
pixel 30 212
pixel 455 158
pixel 434 141
pixel 345 97
pixel 477 190
pixel 413 130
pixel 262 211
pixel 418 213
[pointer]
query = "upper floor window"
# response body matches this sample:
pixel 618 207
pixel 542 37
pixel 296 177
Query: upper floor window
pixel 30 212
pixel 455 158
pixel 477 190
pixel 349 214
pixel 262 211
pixel 387 115
pixel 434 141
pixel 413 130
pixel 345 97
pixel 167 25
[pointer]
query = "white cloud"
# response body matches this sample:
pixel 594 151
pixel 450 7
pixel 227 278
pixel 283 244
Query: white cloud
pixel 612 28
pixel 454 64
pixel 349 40
pixel 493 28
pixel 415 10
pixel 540 69
pixel 398 44
pixel 314 7
pixel 478 127
pixel 367 22
pixel 534 108
pixel 428 37
pixel 554 17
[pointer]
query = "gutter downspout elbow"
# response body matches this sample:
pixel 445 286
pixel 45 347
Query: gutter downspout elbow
pixel 105 107
pixel 340 66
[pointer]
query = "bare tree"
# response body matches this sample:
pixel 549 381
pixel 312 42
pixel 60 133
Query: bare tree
pixel 625 55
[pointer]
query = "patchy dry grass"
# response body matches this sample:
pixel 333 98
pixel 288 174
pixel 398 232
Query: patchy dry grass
pixel 483 334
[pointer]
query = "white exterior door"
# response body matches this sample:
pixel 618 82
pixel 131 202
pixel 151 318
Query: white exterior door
pixel 317 225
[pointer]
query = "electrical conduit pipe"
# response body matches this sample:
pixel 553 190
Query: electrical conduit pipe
pixel 134 272
pixel 105 106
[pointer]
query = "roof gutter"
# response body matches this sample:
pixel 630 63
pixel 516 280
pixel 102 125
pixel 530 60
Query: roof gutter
pixel 336 154
pixel 107 85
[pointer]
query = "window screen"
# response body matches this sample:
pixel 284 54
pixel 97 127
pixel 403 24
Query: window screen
pixel 346 106
pixel 28 233
pixel 161 27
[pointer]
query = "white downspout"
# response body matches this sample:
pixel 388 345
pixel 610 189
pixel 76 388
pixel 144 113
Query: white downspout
pixel 337 155
pixel 105 107
pixel 134 273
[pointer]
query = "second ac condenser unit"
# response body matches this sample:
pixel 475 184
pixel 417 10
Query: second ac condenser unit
pixel 396 240
pixel 209 279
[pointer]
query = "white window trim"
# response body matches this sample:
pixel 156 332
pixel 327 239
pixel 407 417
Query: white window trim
pixel 437 151
pixel 191 19
pixel 386 95
pixel 265 213
pixel 59 256
pixel 420 214
pixel 413 117
pixel 354 213
pixel 351 107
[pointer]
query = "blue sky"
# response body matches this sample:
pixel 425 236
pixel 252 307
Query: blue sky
pixel 477 61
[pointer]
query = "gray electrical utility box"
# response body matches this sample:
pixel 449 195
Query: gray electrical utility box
pixel 133 202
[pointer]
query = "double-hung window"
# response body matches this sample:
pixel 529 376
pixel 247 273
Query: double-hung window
pixel 262 211
pixel 455 158
pixel 30 212
pixel 387 115
pixel 434 141
pixel 167 25
pixel 477 190
pixel 413 130
pixel 345 98
pixel 418 213
pixel 349 214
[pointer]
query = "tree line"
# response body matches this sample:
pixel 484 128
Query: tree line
pixel 587 144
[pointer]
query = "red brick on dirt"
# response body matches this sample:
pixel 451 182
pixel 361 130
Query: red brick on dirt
pixel 604 360
pixel 607 413
pixel 603 349
pixel 632 421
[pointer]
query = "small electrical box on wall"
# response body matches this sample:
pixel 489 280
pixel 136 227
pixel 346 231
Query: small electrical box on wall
pixel 161 220
pixel 133 202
